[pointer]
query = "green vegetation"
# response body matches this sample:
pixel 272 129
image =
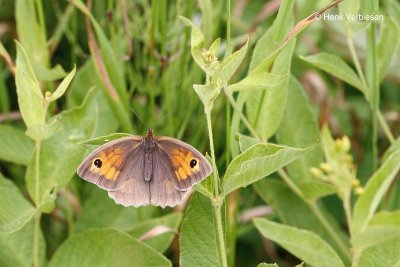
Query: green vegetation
pixel 297 109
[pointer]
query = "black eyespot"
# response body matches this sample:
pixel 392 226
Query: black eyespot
pixel 193 163
pixel 98 163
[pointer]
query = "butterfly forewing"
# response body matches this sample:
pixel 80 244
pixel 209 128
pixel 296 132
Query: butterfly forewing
pixel 188 165
pixel 108 166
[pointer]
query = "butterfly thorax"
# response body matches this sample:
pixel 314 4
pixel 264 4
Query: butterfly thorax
pixel 149 145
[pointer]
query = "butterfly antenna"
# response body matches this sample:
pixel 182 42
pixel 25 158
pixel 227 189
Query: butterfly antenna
pixel 137 116
pixel 162 118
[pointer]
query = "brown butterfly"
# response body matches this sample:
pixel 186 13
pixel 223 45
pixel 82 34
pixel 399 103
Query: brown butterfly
pixel 138 171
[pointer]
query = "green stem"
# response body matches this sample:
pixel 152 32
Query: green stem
pixel 374 89
pixel 347 208
pixel 217 203
pixel 367 90
pixel 37 201
pixel 342 246
pixel 242 117
pixel 36 240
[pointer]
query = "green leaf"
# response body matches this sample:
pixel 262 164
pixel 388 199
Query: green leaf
pixel 168 225
pixel 196 43
pixel 30 97
pixel 99 211
pixel 62 87
pixel 15 210
pixel 30 32
pixel 15 146
pixel 78 124
pixel 282 199
pixel 207 93
pixel 265 108
pixel 246 142
pixel 386 45
pixel 101 140
pixel 337 67
pixel 257 162
pixel 305 245
pixel 44 131
pixel 16 248
pixel 382 254
pixel 198 241
pixel 257 81
pixel 314 190
pixel 306 129
pixel 375 235
pixel 229 66
pixel 106 247
pixel 375 189
pixel 386 218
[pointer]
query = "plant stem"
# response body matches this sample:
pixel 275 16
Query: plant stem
pixel 228 29
pixel 217 203
pixel 342 246
pixel 37 201
pixel 242 117
pixel 366 89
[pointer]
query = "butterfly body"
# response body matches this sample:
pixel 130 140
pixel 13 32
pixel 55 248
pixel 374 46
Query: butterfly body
pixel 139 171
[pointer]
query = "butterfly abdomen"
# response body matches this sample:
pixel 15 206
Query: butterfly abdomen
pixel 148 166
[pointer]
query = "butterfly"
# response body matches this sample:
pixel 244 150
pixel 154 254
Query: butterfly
pixel 138 171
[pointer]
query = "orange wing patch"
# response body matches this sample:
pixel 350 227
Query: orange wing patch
pixel 107 163
pixel 184 163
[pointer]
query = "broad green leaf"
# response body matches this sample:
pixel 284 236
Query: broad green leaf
pixel 265 108
pixel 99 211
pixel 306 129
pixel 375 189
pixel 196 43
pixel 44 131
pixel 337 67
pixel 257 162
pixel 48 74
pixel 30 97
pixel 159 242
pixel 207 93
pixel 78 124
pixel 15 146
pixel 197 239
pixel 386 45
pixel 386 218
pixel 16 249
pixel 314 190
pixel 30 32
pixel 15 210
pixel 374 235
pixel 257 81
pixel 62 87
pixel 229 66
pixel 304 244
pixel 382 254
pixel 101 140
pixel 283 199
pixel 106 247
pixel 246 141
